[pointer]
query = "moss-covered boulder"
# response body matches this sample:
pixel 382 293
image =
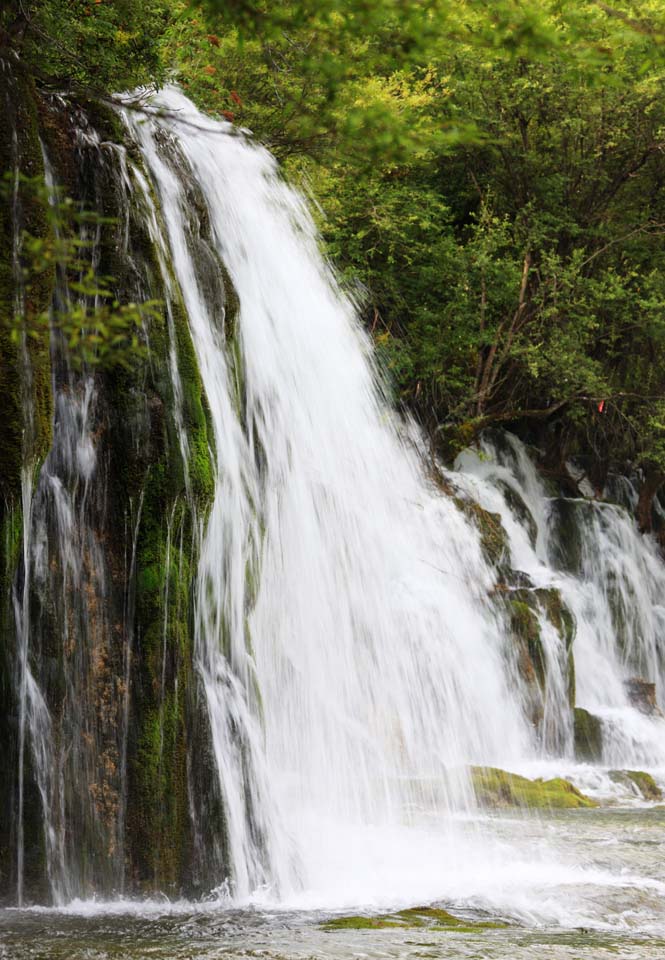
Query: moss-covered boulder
pixel 588 735
pixel 525 628
pixel 563 622
pixel 497 788
pixel 640 782
pixel 413 918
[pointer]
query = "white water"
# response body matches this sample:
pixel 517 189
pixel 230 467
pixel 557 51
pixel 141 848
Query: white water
pixel 368 670
pixel 347 692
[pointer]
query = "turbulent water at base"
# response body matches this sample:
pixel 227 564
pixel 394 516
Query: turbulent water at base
pixel 352 638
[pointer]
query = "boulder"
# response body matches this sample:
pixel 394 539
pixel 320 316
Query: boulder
pixel 497 788
pixel 639 782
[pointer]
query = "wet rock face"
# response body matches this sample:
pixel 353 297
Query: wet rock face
pixel 566 547
pixel 642 695
pixel 588 736
pixel 114 764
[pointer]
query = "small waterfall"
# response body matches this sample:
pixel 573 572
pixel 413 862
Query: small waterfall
pixel 612 580
pixel 67 572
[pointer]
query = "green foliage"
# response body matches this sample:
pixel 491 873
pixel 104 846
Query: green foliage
pixel 97 329
pixel 105 45
pixel 489 179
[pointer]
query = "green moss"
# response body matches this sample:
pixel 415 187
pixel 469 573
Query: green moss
pixel 361 923
pixel 588 735
pixel 644 782
pixel 415 917
pixel 196 413
pixel 493 539
pixel 498 788
pixel 22 439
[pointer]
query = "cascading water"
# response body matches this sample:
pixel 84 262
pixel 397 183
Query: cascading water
pixel 364 669
pixel 612 580
pixel 354 643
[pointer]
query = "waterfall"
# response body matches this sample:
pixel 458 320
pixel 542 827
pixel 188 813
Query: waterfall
pixel 350 663
pixel 356 643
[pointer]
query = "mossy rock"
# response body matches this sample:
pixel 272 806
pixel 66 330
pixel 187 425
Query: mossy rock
pixel 588 734
pixel 563 622
pixel 557 613
pixel 526 607
pixel 497 788
pixel 526 633
pixel 493 537
pixel 642 781
pixel 413 918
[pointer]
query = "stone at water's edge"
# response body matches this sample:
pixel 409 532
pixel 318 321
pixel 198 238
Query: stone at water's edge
pixel 496 788
pixel 414 917
pixel 639 781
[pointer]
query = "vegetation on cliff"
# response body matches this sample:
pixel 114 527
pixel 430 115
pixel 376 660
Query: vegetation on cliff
pixel 489 179
pixel 490 183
